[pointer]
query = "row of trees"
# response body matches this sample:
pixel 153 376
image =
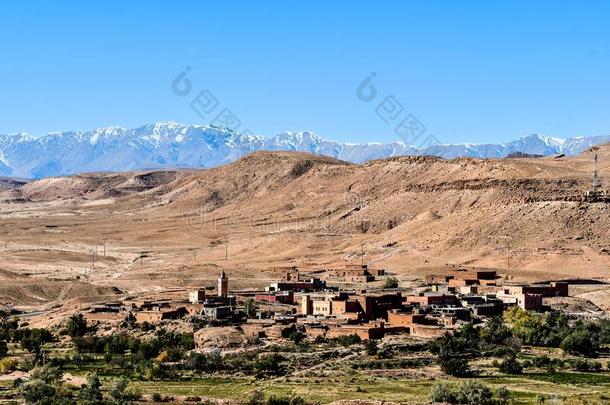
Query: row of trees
pixel 503 336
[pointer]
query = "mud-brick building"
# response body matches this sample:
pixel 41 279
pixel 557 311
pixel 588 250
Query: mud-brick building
pixel 161 314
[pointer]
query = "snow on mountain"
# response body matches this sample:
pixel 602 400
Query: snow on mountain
pixel 170 144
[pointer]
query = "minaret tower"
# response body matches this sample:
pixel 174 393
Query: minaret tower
pixel 223 285
pixel 596 182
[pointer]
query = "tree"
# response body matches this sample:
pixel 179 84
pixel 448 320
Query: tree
pixel 33 339
pixel 121 392
pixel 250 308
pixel 77 325
pixel 495 331
pixel 44 387
pixel 579 342
pixel 91 392
pixel 390 282
pixel 452 354
pixel 511 365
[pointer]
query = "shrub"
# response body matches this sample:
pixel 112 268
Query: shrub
pixel 511 365
pixel 348 340
pixel 455 366
pixel 442 392
pixel 269 365
pixel 390 282
pixel 146 326
pixel 370 345
pixel 469 393
pixel 7 365
pixel 474 393
pixel 121 392
pixel 297 337
pixel 504 397
pixel 285 400
pixel 581 365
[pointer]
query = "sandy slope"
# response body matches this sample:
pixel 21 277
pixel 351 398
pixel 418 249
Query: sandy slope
pixel 410 214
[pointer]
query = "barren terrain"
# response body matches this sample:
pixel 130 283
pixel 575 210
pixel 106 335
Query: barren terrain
pixel 159 230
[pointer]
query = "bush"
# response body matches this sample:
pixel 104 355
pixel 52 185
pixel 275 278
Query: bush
pixel 455 366
pixel 581 365
pixel 348 340
pixel 285 400
pixel 297 337
pixel 121 392
pixel 511 365
pixel 370 345
pixel 474 393
pixel 146 326
pixel 7 365
pixel 269 365
pixel 504 397
pixel 390 282
pixel 442 392
pixel 469 393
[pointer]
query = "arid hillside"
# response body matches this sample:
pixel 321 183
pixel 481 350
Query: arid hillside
pixel 174 228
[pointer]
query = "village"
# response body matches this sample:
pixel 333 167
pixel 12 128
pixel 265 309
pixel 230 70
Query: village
pixel 316 303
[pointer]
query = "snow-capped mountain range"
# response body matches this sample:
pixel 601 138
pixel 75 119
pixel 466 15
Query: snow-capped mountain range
pixel 169 144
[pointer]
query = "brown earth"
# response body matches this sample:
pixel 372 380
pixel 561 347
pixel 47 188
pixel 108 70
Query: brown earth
pixel 156 230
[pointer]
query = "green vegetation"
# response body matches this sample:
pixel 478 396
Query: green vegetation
pixel 250 308
pixel 486 359
pixel 390 282
pixel 77 325
pixel 470 393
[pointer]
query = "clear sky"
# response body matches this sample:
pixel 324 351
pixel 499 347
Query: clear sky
pixel 470 71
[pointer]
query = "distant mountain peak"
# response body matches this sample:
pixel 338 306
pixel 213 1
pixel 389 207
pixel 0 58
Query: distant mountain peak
pixel 172 144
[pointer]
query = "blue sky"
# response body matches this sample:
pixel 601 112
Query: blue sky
pixel 469 71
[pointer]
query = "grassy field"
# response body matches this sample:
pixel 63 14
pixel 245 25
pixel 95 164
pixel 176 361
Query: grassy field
pixel 525 388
